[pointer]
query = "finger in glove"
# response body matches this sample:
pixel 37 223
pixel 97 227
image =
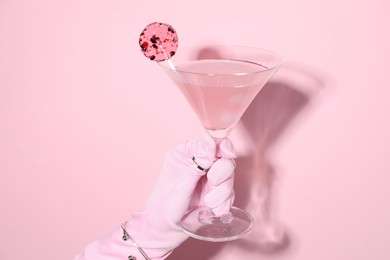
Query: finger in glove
pixel 203 151
pixel 220 171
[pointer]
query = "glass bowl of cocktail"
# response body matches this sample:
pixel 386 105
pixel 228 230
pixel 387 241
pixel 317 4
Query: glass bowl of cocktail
pixel 220 82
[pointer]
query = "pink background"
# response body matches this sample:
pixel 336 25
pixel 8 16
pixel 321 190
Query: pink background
pixel 85 120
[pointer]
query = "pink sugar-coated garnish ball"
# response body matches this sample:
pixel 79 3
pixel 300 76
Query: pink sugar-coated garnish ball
pixel 158 41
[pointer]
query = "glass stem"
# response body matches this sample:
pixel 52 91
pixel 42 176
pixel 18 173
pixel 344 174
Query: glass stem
pixel 218 141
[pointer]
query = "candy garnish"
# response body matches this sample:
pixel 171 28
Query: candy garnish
pixel 158 41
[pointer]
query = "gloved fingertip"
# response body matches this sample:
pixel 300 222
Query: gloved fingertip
pixel 209 140
pixel 223 209
pixel 201 147
pixel 227 150
pixel 220 171
pixel 202 151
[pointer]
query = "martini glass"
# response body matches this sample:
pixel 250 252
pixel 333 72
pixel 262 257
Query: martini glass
pixel 220 82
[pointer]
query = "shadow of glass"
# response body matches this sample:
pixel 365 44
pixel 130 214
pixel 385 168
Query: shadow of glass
pixel 264 121
pixel 211 52
pixel 193 249
pixel 267 118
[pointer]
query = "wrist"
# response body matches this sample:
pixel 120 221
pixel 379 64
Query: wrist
pixel 142 243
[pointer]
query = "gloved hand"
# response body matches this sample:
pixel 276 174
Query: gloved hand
pixel 182 184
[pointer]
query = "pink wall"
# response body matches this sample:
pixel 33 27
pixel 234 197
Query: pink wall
pixel 85 120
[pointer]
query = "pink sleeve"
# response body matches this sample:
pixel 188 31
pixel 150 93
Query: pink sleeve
pixel 112 247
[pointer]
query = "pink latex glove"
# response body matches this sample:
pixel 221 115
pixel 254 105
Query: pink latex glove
pixel 181 185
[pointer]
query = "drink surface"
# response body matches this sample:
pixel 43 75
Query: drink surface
pixel 220 90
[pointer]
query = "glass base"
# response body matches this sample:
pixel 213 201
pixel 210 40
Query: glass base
pixel 199 224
